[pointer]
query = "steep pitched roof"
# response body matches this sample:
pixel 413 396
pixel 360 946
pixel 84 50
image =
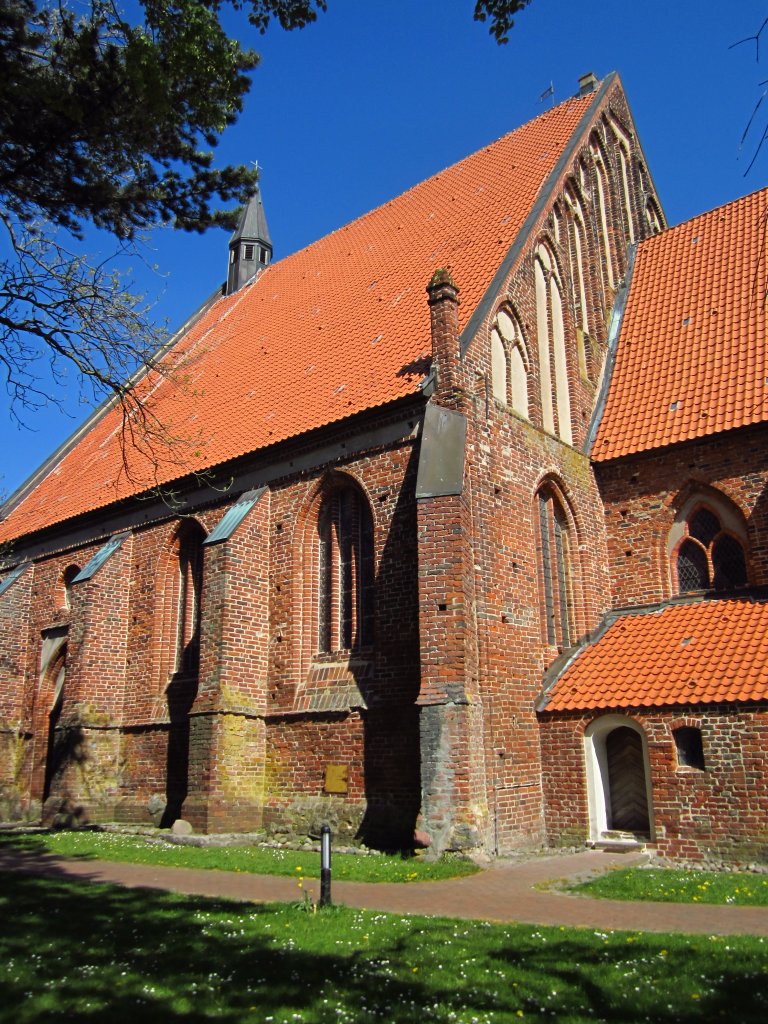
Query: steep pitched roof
pixel 338 328
pixel 692 355
pixel 699 653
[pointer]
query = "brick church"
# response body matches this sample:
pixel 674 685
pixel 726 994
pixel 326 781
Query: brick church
pixel 453 524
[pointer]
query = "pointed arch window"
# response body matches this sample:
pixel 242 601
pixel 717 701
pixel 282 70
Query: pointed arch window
pixel 624 148
pixel 626 192
pixel 652 216
pixel 345 571
pixel 555 570
pixel 577 237
pixel 63 593
pixel 178 627
pixel 550 330
pixel 601 197
pixel 708 557
pixel 509 362
pixel 190 587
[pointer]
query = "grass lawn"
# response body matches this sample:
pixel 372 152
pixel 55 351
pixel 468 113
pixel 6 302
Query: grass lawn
pixel 665 885
pixel 254 860
pixel 91 953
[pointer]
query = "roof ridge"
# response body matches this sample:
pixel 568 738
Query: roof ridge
pixel 313 320
pixel 418 184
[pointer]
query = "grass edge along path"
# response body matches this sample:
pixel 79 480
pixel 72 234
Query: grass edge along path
pixel 95 952
pixel 129 848
pixel 671 885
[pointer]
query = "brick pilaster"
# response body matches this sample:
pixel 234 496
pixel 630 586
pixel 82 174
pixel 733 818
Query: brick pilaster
pixel 227 734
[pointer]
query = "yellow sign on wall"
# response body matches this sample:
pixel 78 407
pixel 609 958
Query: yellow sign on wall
pixel 336 778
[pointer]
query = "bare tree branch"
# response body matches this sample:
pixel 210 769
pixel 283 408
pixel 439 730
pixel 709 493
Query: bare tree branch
pixel 66 324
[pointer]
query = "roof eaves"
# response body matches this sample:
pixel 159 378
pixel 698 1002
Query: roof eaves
pixel 560 666
pixel 25 489
pixel 523 236
pixel 377 426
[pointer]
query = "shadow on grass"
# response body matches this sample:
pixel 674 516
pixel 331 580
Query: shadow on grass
pixel 97 953
pixel 18 849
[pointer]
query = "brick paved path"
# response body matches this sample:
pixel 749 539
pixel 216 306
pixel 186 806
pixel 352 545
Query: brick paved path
pixel 503 893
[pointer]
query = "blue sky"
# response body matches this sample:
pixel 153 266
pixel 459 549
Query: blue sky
pixel 377 96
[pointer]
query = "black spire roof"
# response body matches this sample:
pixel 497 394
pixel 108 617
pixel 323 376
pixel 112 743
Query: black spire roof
pixel 250 247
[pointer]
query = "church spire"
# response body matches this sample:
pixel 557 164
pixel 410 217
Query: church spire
pixel 250 247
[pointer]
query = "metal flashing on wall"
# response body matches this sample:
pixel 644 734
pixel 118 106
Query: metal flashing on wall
pixel 614 331
pixel 102 555
pixel 234 516
pixel 12 576
pixel 441 462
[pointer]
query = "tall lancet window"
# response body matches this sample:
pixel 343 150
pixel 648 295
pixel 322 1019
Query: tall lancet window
pixel 577 237
pixel 509 362
pixel 550 330
pixel 345 571
pixel 601 200
pixel 555 570
pixel 623 150
pixel 179 589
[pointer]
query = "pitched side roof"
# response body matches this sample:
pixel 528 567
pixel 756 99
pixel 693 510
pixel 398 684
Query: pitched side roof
pixel 692 355
pixel 700 653
pixel 338 328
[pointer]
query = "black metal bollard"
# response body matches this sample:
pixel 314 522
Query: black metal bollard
pixel 325 866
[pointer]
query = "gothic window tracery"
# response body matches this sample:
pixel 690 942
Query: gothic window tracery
pixel 708 557
pixel 509 362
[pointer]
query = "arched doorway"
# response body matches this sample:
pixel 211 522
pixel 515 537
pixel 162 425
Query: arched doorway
pixel 628 805
pixel 618 778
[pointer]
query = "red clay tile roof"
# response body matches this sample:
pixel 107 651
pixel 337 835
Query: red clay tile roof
pixel 338 328
pixel 692 356
pixel 697 653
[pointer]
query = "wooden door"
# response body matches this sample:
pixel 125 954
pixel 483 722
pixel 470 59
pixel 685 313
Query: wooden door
pixel 626 781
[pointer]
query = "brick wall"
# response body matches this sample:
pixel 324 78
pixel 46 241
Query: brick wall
pixel 130 752
pixel 15 638
pixel 642 494
pixel 509 458
pixel 441 702
pixel 716 815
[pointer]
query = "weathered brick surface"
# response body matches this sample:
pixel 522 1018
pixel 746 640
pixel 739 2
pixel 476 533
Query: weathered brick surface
pixel 642 495
pixel 715 815
pixel 432 718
